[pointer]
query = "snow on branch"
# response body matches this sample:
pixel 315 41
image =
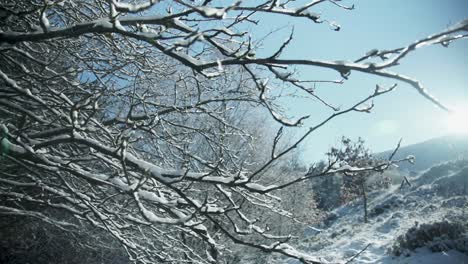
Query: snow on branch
pixel 152 120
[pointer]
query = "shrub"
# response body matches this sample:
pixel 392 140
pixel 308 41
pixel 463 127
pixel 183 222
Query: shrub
pixel 438 236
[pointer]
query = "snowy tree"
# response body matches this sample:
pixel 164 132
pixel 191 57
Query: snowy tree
pixel 326 189
pixel 126 115
pixel 356 184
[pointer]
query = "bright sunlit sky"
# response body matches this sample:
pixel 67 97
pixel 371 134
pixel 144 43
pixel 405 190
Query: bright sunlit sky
pixel 381 24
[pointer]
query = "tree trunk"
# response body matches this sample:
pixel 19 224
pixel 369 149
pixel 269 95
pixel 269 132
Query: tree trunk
pixel 364 196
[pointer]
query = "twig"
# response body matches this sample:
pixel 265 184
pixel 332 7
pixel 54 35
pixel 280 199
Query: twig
pixel 359 253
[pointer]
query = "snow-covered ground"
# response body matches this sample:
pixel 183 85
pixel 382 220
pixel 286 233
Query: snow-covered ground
pixel 437 194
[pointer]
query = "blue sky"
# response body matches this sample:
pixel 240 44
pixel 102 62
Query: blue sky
pixel 381 24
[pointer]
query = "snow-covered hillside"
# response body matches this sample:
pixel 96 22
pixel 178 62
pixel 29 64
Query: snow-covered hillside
pixel 431 152
pixel 438 195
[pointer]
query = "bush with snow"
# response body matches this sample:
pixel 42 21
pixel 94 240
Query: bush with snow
pixel 438 237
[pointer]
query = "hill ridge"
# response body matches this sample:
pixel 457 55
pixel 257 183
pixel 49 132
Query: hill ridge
pixel 431 152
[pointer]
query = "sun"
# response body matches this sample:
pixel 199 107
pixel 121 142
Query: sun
pixel 457 121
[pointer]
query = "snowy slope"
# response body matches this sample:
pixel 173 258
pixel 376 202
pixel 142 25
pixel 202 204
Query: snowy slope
pixel 431 152
pixel 437 194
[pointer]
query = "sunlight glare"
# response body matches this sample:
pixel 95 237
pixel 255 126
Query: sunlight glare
pixel 457 121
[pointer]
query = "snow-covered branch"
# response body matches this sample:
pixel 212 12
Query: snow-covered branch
pixel 151 120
